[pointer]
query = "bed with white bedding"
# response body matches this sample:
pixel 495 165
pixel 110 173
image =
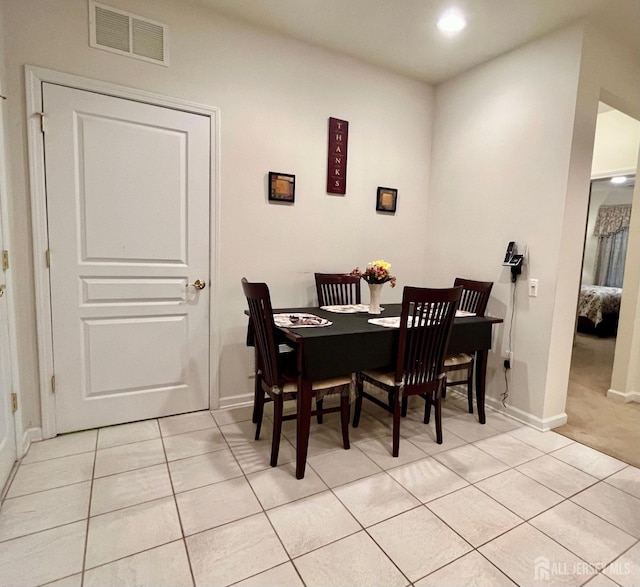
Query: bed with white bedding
pixel 598 309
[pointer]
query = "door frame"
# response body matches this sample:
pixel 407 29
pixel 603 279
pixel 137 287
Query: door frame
pixel 34 78
pixel 5 243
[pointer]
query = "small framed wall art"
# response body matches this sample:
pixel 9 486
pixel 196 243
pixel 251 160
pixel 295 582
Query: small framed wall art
pixel 282 187
pixel 387 200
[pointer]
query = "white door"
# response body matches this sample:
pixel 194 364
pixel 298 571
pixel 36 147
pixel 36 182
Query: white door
pixel 128 215
pixel 7 430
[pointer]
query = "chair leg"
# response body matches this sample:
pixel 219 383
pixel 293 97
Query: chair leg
pixel 358 408
pixel 427 408
pixel 319 404
pixel 278 405
pixel 438 402
pixel 444 392
pixel 470 388
pixel 396 424
pixel 257 390
pixel 258 411
pixel 344 420
pixel 405 405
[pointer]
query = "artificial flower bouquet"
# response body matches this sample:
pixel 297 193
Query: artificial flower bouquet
pixel 377 272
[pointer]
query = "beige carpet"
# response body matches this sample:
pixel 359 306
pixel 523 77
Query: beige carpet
pixel 593 419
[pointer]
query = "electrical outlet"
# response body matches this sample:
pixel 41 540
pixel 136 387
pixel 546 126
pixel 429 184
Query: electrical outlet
pixel 533 288
pixel 508 359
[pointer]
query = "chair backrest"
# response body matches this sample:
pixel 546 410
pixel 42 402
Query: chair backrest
pixel 261 316
pixel 336 289
pixel 475 295
pixel 425 326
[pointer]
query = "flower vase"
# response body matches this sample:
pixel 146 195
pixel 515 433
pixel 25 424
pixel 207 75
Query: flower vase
pixel 374 292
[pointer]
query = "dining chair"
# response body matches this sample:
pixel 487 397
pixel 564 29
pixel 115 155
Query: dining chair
pixel 337 289
pixel 475 296
pixel 425 326
pixel 281 375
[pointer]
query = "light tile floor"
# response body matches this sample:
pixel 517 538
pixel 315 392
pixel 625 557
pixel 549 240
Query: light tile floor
pixel 191 500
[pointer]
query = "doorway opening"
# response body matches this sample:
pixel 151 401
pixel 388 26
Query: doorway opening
pixel 594 419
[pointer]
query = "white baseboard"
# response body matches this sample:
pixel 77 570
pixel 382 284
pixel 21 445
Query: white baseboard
pixel 623 397
pixel 30 435
pixel 236 401
pixel 525 417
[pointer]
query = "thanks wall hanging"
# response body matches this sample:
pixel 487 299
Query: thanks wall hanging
pixel 337 160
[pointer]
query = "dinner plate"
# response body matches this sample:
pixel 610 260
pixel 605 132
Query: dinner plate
pixel 299 320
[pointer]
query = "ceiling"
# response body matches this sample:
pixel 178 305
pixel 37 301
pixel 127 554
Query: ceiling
pixel 401 35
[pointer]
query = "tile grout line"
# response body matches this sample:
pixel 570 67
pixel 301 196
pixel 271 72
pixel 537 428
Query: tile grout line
pixel 264 511
pixel 86 535
pixel 135 505
pixel 175 502
pixel 245 475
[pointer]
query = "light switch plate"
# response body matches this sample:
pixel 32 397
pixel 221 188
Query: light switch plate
pixel 533 288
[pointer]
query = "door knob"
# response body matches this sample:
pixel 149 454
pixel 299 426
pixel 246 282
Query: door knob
pixel 198 284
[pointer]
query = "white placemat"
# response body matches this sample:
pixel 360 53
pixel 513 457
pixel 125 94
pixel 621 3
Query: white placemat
pixel 394 321
pixel 390 322
pixel 463 313
pixel 298 320
pixel 348 309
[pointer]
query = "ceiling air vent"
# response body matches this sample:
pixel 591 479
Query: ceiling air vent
pixel 127 34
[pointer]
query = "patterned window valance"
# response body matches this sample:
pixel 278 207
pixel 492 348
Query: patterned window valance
pixel 612 219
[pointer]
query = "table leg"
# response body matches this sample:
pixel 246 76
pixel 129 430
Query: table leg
pixel 303 424
pixel 481 376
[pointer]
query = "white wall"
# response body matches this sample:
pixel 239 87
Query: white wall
pixel 616 144
pixel 609 73
pixel 501 149
pixel 275 97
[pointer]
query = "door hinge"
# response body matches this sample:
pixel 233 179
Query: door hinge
pixel 14 402
pixel 53 384
pixel 43 121
pixel 5 260
pixel 47 255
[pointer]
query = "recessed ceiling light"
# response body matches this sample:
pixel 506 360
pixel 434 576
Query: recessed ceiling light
pixel 619 179
pixel 452 21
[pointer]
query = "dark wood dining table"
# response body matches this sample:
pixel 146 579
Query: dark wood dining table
pixel 352 344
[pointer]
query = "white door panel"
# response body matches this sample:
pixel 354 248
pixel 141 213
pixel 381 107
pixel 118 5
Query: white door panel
pixel 128 213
